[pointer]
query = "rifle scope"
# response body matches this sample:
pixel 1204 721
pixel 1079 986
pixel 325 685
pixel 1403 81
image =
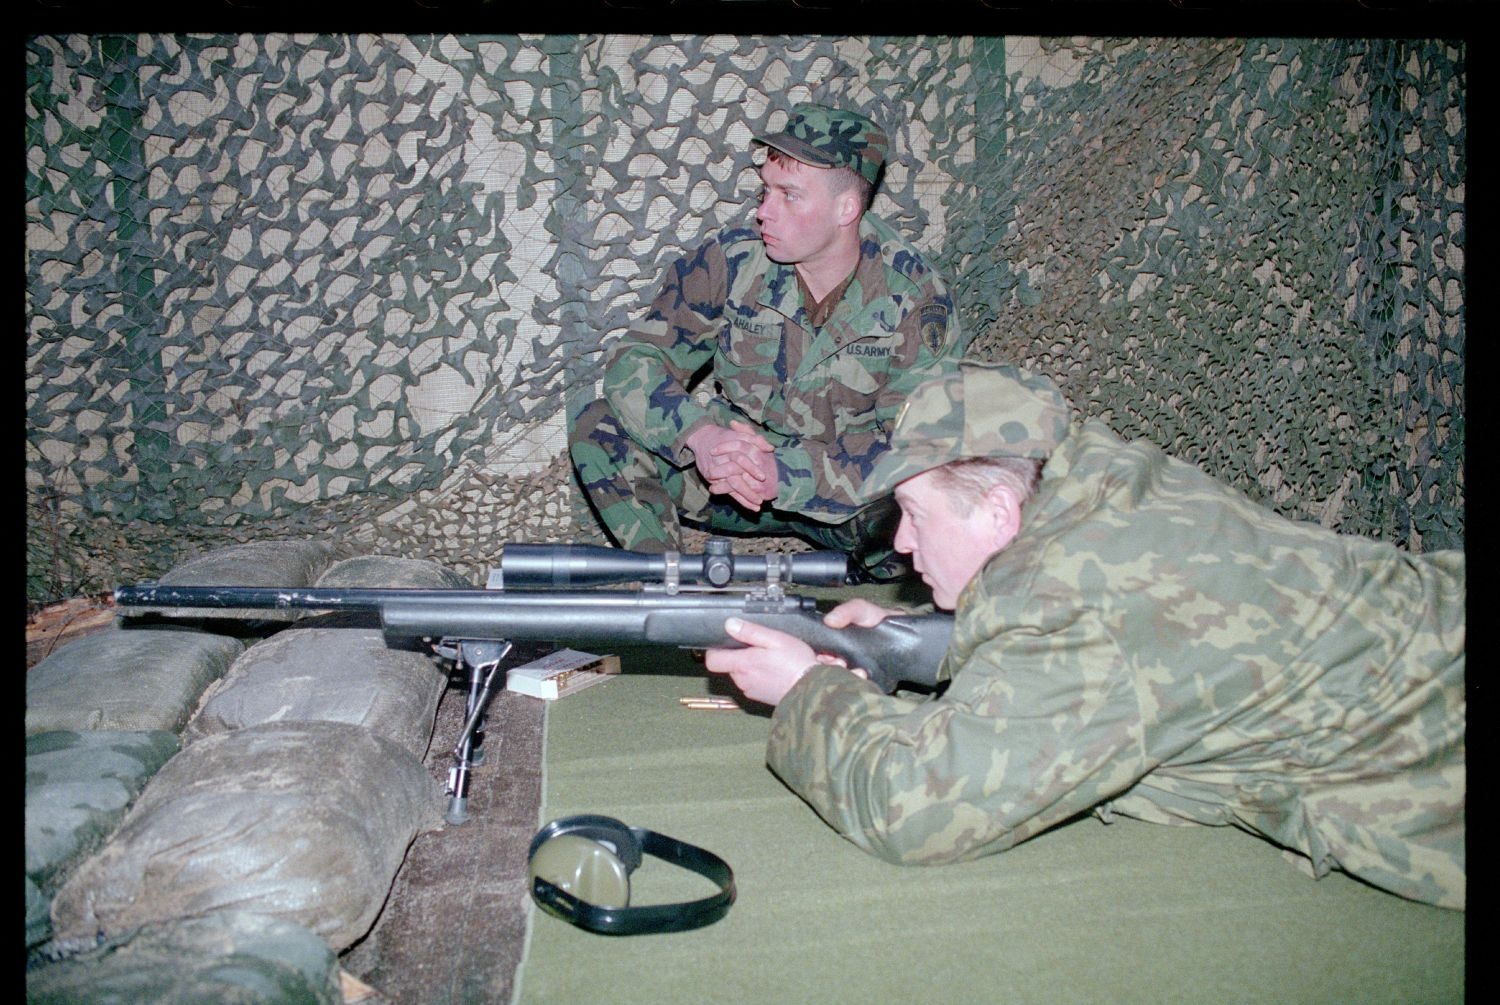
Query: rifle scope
pixel 548 566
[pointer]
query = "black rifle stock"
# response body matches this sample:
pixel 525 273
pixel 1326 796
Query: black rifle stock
pixel 528 600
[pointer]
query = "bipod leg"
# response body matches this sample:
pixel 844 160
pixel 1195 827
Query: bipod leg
pixel 483 660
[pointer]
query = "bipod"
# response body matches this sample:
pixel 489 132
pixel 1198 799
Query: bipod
pixel 483 658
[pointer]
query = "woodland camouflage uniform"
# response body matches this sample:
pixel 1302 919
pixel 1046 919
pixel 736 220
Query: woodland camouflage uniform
pixel 1156 645
pixel 825 397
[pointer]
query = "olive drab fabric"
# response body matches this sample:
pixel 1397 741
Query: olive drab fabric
pixel 832 138
pixel 825 397
pixel 1154 644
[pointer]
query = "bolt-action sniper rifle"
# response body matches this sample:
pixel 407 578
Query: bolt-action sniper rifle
pixel 684 602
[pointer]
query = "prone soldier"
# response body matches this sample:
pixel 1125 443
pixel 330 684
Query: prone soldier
pixel 1131 637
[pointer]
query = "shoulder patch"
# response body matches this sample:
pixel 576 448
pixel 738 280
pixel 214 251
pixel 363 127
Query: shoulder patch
pixel 934 326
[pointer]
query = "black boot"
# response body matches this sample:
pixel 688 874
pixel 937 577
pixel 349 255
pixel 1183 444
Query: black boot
pixel 867 538
pixel 893 568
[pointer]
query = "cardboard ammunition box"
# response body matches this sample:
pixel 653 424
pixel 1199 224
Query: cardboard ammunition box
pixel 561 673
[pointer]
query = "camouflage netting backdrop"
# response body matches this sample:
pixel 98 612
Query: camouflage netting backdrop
pixel 343 286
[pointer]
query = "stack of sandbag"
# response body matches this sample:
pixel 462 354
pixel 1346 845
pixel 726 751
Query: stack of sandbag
pixel 278 825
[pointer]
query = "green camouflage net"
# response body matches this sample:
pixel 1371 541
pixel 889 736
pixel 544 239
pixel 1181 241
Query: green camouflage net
pixel 343 286
pixel 1249 252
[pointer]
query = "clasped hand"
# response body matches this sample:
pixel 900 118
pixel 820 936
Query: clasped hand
pixel 772 661
pixel 736 461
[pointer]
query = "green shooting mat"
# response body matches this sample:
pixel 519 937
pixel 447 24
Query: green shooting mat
pixel 1089 912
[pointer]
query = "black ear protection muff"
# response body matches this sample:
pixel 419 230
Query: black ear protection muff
pixel 580 870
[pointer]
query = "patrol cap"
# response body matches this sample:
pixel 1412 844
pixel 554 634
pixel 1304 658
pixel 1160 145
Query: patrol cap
pixel 983 410
pixel 831 137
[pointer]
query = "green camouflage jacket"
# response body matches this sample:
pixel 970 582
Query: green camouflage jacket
pixel 825 398
pixel 1154 644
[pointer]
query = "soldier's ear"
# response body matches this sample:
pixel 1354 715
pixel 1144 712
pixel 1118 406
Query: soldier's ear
pixel 1004 509
pixel 847 208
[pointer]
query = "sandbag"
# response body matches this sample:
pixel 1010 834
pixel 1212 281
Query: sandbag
pixel 230 958
pixel 38 914
pixel 134 679
pixel 257 563
pixel 389 572
pixel 327 674
pixel 78 786
pixel 304 821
